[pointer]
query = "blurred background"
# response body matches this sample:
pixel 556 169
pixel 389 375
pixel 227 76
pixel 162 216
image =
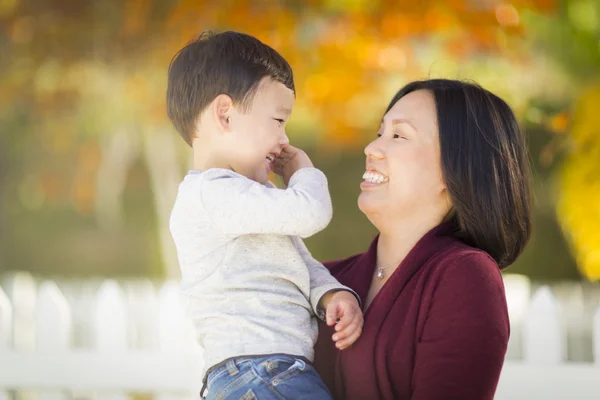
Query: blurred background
pixel 89 162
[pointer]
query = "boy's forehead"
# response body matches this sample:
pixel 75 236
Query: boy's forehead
pixel 269 84
pixel 272 90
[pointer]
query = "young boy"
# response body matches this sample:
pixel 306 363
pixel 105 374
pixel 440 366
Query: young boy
pixel 251 286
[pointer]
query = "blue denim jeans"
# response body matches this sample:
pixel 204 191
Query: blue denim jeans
pixel 274 377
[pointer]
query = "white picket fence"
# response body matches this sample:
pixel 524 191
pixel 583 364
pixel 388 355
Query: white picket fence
pixel 109 340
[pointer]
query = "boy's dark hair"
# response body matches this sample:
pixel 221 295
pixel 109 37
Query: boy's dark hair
pixel 484 165
pixel 230 63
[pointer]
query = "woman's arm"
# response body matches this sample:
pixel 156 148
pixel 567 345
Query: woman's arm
pixel 464 339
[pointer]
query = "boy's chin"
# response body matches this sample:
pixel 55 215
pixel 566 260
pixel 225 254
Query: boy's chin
pixel 261 177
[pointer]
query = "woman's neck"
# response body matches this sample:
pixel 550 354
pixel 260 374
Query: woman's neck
pixel 397 240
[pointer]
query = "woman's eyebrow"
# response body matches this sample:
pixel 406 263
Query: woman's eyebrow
pixel 397 121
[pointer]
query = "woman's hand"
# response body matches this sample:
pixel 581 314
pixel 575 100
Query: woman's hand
pixel 342 309
pixel 289 161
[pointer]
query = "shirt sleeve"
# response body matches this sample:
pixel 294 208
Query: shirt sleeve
pixel 237 205
pixel 321 281
pixel 464 339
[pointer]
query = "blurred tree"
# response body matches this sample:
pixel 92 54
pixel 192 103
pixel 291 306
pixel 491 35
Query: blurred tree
pixel 84 83
pixel 579 183
pixel 571 38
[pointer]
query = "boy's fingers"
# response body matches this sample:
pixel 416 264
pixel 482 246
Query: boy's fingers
pixel 287 149
pixel 349 317
pixel 351 338
pixel 344 322
pixel 356 324
pixel 346 332
pixel 345 343
pixel 331 314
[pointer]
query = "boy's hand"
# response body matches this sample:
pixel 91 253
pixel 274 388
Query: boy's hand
pixel 289 161
pixel 342 309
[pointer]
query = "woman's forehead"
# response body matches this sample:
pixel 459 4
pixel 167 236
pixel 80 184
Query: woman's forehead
pixel 416 109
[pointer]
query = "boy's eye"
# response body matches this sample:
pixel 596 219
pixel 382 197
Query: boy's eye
pixel 280 121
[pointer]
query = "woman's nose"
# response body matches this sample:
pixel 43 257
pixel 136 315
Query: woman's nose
pixel 374 150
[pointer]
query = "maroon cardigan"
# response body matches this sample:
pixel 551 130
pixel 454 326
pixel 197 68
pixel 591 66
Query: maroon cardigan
pixel 438 329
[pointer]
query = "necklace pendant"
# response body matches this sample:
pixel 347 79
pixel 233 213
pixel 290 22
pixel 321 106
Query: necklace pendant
pixel 380 273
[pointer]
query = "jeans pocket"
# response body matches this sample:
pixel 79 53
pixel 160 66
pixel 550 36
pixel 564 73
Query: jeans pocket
pixel 297 367
pixel 234 383
pixel 248 396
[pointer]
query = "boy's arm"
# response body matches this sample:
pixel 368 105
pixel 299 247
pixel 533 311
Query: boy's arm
pixel 239 206
pixel 321 281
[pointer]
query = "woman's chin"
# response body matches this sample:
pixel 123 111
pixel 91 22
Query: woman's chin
pixel 366 203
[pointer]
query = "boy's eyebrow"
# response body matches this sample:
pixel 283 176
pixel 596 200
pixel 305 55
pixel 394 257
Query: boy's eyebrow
pixel 284 110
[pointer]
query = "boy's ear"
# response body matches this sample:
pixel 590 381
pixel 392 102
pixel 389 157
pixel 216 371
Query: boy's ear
pixel 223 109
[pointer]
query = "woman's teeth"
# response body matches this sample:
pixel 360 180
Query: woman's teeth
pixel 374 177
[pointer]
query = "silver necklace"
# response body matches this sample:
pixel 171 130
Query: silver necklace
pixel 381 271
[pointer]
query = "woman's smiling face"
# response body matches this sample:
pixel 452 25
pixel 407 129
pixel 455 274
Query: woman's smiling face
pixel 403 168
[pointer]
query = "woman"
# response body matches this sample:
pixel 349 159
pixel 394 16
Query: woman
pixel 446 185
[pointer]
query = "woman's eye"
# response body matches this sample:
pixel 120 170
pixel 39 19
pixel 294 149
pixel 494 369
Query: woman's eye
pixel 396 136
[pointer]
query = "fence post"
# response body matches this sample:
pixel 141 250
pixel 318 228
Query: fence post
pixel 111 327
pixel 5 330
pixel 53 330
pixel 6 317
pixel 543 336
pixel 596 336
pixel 22 295
pixel 53 320
pixel 21 291
pixel 143 321
pixel 176 336
pixel 518 292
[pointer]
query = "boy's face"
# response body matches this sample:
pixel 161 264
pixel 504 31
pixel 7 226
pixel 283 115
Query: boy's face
pixel 259 132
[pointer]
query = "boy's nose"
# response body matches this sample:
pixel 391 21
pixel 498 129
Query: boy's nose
pixel 284 139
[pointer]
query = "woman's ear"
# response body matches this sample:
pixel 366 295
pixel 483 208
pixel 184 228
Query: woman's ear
pixel 222 111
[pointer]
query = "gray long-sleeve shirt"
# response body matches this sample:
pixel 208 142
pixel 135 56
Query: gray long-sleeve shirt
pixel 249 283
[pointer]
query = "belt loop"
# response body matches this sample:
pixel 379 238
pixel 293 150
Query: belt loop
pixel 232 368
pixel 202 396
pixel 204 385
